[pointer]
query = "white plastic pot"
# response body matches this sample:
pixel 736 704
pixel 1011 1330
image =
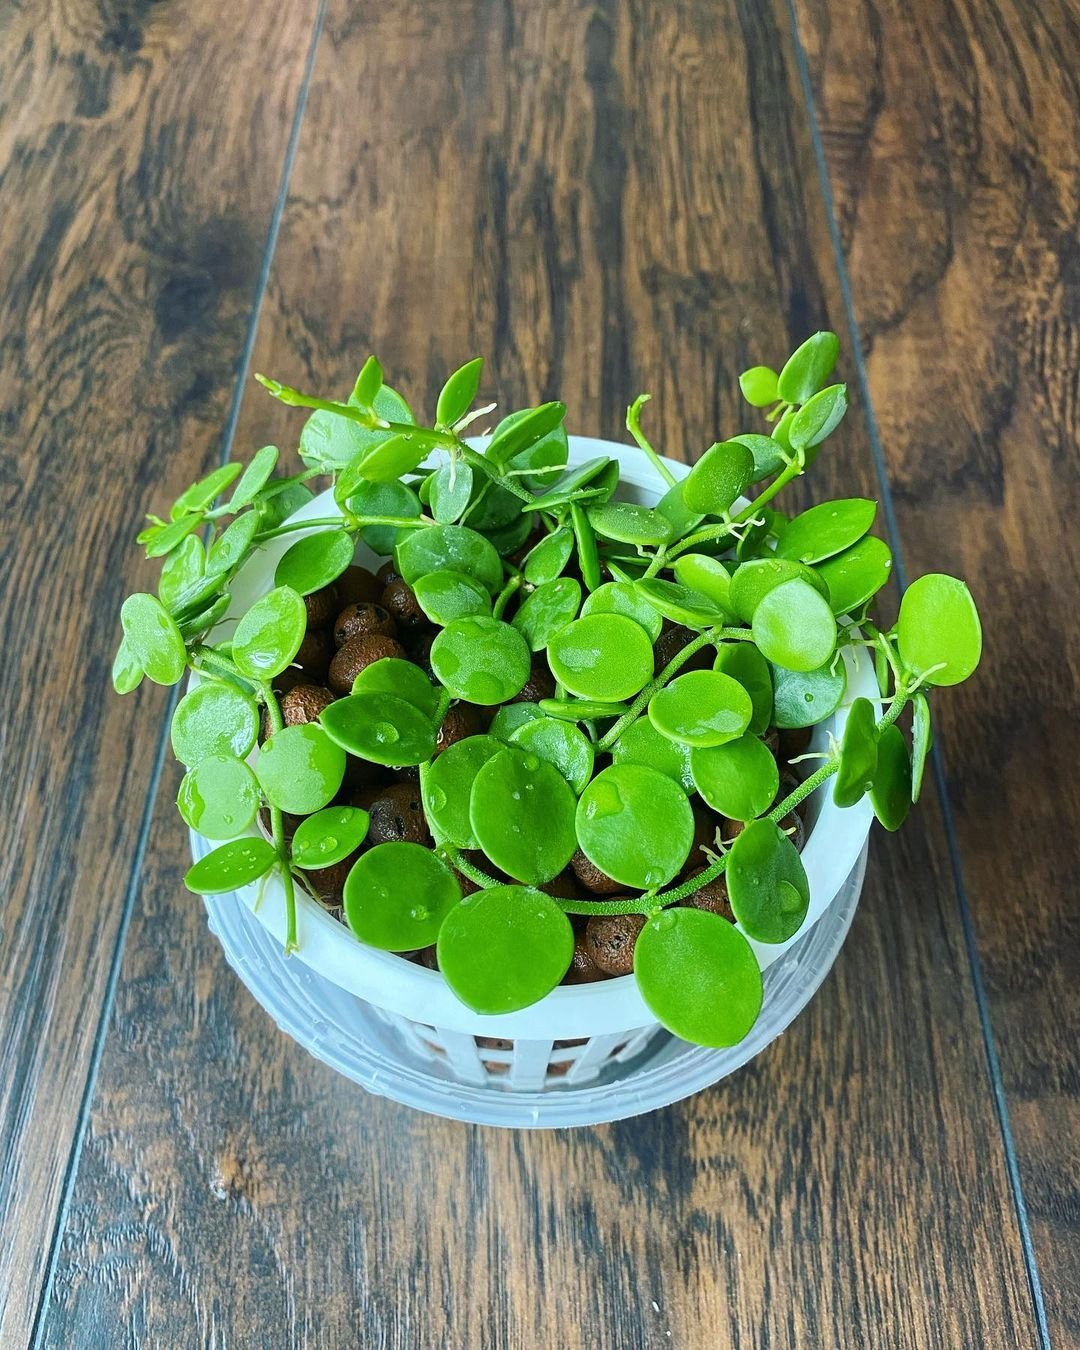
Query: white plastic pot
pixel 396 1028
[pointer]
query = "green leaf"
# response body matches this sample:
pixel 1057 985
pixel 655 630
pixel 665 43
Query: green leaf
pixel 504 948
pixel 228 552
pixel 890 792
pixel 706 576
pixel 446 596
pixel 153 639
pixel 453 548
pixel 673 505
pixel 794 627
pixel 448 785
pixel 808 367
pixel 858 755
pixel 826 529
pixel 368 383
pixel 602 656
pixel 329 441
pixel 922 741
pixel 403 679
pixel 753 580
pixel 629 524
pixel 701 708
pixel 219 797
pixel 818 417
pixel 767 883
pixel 315 561
pixel 938 626
pixel 232 865
pixel 680 604
pixel 280 499
pixel 381 728
pixel 803 698
pixel 636 825
pixel 580 709
pixel 214 719
pixel 699 976
pixel 254 478
pixel 398 895
pixel 522 812
pixel 739 779
pixel 181 571
pixel 511 716
pixel 546 561
pixel 641 743
pixel 127 672
pixel 451 489
pixel 759 386
pixel 383 499
pixel 585 543
pixel 164 539
pixel 768 454
pixel 744 663
pixel 560 744
pixel 199 622
pixel 518 433
pixel 856 575
pixel 329 836
pixel 458 393
pixel 397 455
pixel 576 485
pixel 481 660
pixel 718 478
pixel 300 768
pixel 202 493
pixel 270 633
pixel 547 611
pixel 621 597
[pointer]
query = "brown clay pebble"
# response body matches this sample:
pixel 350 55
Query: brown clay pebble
pixel 794 741
pixel 591 877
pixel 730 829
pixel 540 684
pixel 772 741
pixel 583 969
pixel 357 654
pixel 361 776
pixel 712 897
pixel 705 826
pixel 321 606
pixel 461 720
pixel 399 600
pixel 361 620
pixel 358 586
pixel 418 645
pixel 386 574
pixel 327 884
pixel 397 815
pixel 313 658
pixel 610 939
pixel 427 957
pixel 288 679
pixel 304 704
pixel 670 643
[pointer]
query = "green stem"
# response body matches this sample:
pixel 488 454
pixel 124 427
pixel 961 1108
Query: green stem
pixel 677 661
pixel 778 484
pixel 485 466
pixel 505 595
pixel 351 523
pixel 633 426
pixel 277 828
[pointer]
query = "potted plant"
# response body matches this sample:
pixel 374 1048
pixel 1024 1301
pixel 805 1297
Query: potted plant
pixel 550 736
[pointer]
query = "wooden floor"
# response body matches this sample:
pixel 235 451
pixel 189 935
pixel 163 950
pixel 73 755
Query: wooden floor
pixel 603 198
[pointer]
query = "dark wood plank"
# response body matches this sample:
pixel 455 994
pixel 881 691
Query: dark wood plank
pixel 951 138
pixel 573 190
pixel 136 206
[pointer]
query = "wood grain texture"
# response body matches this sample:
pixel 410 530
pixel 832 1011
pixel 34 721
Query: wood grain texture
pixel 952 136
pixel 603 198
pixel 136 205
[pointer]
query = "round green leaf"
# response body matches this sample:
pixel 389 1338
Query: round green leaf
pixel 856 575
pixel 826 530
pixel 381 728
pixel 458 392
pixel 759 386
pixel 127 672
pixel 451 489
pixel 641 743
pixel 672 505
pixel 153 638
pixel 818 417
pixel 214 719
pixel 890 792
pixel 621 597
pixel 453 548
pixel 524 429
pixel 794 627
pixel 740 779
pixel 384 499
pixel 699 976
pixel 718 477
pixel 228 552
pixel 922 740
pixel 511 716
pixel 629 524
pixel 584 482
pixel 401 678
pixel 547 611
pixel 504 948
pixel 270 633
pixel 203 492
pixel 767 883
pixel 808 367
pixel 328 836
pixel 743 662
pixel 522 812
pixel 768 454
pixel 561 744
pixel 546 561
pixel 606 657
pixel 481 660
pixel 752 581
pixel 803 698
pixel 635 824
pixel 219 797
pixel 446 596
pixel 680 604
pixel 254 478
pixel 938 626
pixel 858 755
pixel 399 454
pixel 181 571
pixel 315 561
pixel 701 708
pixel 397 896
pixel 447 786
pixel 232 865
pixel 300 769
pixel 706 576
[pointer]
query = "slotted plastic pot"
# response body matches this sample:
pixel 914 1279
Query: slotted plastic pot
pixel 585 1053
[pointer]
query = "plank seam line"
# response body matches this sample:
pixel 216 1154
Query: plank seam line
pixel 982 1003
pixel 142 841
